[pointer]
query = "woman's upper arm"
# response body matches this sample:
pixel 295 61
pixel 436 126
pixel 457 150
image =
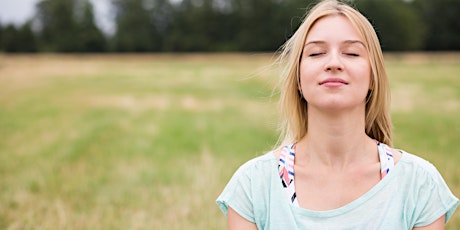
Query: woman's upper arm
pixel 436 225
pixel 237 222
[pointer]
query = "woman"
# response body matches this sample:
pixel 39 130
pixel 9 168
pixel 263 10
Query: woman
pixel 337 138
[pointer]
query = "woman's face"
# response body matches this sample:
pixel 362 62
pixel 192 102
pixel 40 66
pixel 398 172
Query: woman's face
pixel 334 67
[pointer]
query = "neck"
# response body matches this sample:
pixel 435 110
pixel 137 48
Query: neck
pixel 336 140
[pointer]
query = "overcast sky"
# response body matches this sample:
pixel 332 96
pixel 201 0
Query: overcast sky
pixel 18 11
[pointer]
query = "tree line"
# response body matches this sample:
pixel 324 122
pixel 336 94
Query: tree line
pixel 220 25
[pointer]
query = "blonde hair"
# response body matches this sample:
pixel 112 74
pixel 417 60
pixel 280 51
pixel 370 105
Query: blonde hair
pixel 294 107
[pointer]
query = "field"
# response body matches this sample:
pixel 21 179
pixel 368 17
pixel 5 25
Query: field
pixel 149 141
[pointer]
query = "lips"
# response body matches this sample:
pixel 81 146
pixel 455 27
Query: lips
pixel 333 82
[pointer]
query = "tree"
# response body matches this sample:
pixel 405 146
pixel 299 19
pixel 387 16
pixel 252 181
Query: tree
pixel 10 43
pixel 27 38
pixel 195 26
pixel 441 20
pixel 1 38
pixel 90 37
pixel 162 13
pixel 396 22
pixel 231 25
pixel 58 27
pixel 135 30
pixel 18 40
pixel 224 25
pixel 68 26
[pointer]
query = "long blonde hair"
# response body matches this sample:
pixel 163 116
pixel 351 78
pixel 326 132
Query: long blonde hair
pixel 294 109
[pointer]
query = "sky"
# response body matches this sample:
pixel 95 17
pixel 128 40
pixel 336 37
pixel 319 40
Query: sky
pixel 19 11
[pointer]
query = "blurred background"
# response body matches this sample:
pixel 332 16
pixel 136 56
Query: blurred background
pixel 134 114
pixel 208 25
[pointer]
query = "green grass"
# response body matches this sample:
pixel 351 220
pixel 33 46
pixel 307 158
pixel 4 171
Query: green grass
pixel 149 141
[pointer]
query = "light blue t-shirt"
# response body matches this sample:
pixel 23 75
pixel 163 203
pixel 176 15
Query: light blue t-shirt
pixel 413 194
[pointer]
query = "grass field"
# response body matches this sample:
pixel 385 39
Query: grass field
pixel 149 141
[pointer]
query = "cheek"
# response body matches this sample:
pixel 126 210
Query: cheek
pixel 362 73
pixel 307 72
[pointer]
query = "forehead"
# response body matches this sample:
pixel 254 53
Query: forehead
pixel 333 28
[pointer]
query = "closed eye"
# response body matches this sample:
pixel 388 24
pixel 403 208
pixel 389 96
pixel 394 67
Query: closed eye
pixel 315 54
pixel 352 54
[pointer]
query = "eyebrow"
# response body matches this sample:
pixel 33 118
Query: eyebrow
pixel 348 42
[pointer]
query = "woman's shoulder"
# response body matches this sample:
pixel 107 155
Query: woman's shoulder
pixel 256 170
pixel 409 159
pixel 424 184
pixel 263 162
pixel 420 167
pixel 413 159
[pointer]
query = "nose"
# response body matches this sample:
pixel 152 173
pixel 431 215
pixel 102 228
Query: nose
pixel 334 63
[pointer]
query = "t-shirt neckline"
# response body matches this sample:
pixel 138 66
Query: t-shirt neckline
pixel 351 205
